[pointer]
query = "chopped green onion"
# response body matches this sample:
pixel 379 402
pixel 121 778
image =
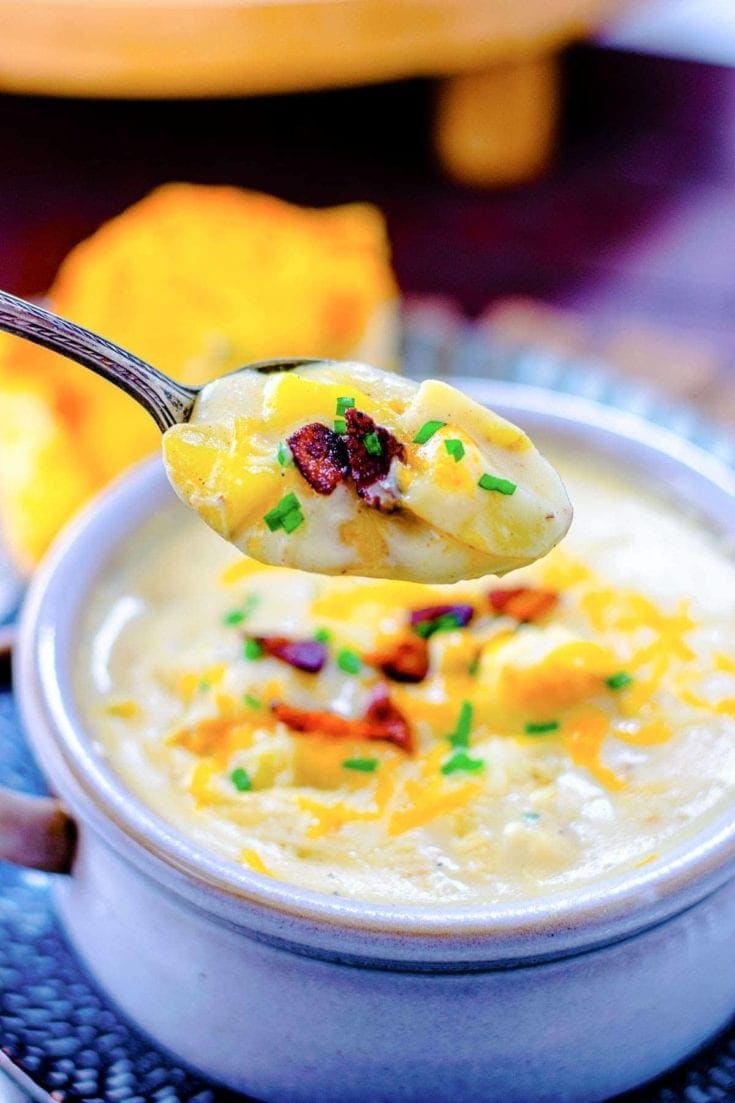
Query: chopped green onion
pixel 288 502
pixel 349 661
pixel 203 687
pixel 427 430
pixel 344 403
pixel 235 617
pixel 340 425
pixel 252 702
pixel 292 520
pixel 283 454
pixel 445 623
pixel 473 668
pixel 365 765
pixel 253 649
pixel 462 761
pixel 619 680
pixel 460 737
pixel 240 780
pixel 251 602
pixel 455 448
pixel 322 635
pixel 372 444
pixel 492 482
pixel 530 817
pixel 542 727
pixel 275 518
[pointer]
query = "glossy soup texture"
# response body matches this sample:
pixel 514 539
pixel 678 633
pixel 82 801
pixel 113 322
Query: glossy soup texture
pixel 345 469
pixel 489 741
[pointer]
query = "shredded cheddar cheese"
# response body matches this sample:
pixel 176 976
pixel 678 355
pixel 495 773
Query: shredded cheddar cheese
pixel 398 741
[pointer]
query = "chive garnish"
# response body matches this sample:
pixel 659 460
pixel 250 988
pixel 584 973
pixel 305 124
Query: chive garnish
pixel 542 727
pixel 252 649
pixel 460 737
pixel 252 702
pixel 340 425
pixel 445 623
pixel 344 402
pixel 204 687
pixel 473 667
pixel 365 765
pixel 235 617
pixel 283 454
pixel 292 520
pixel 619 680
pixel 251 602
pixel 273 519
pixel 455 448
pixel 492 482
pixel 530 817
pixel 349 661
pixel 427 430
pixel 322 635
pixel 240 780
pixel 286 515
pixel 372 444
pixel 276 517
pixel 462 761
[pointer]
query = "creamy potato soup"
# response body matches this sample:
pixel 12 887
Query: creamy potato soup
pixel 488 741
pixel 344 469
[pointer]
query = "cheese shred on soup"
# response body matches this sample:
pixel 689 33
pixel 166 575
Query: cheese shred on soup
pixel 396 741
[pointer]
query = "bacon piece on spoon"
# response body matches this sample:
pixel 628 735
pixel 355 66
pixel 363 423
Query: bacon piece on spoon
pixel 371 450
pixel 321 457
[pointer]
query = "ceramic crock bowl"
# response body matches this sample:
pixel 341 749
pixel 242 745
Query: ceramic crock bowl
pixel 286 994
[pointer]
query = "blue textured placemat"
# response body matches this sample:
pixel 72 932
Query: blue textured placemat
pixel 55 1025
pixel 67 1041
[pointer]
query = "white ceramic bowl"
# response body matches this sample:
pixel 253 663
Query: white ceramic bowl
pixel 286 994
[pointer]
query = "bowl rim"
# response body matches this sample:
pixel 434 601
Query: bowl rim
pixel 598 912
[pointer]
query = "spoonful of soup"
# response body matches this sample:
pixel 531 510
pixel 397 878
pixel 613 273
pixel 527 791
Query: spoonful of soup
pixel 336 467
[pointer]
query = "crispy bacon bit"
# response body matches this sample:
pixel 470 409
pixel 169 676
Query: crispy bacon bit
pixel 388 717
pixel 321 457
pixel 381 721
pixel 523 603
pixel 370 468
pixel 308 655
pixel 435 617
pixel 406 661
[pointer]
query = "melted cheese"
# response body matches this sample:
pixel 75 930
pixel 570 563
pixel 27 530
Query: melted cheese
pixel 231 464
pixel 581 772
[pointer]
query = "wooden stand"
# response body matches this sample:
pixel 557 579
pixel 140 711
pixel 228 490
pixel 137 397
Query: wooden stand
pixel 496 126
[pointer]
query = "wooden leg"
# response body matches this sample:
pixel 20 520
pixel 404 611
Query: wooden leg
pixel 497 126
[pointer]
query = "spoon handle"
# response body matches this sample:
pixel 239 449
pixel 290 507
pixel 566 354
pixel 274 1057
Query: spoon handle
pixel 167 401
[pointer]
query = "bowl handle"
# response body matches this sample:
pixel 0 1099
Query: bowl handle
pixel 34 831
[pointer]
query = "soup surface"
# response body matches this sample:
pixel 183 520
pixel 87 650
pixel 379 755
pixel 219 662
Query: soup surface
pixel 395 741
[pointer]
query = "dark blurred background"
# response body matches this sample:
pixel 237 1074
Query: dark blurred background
pixel 635 219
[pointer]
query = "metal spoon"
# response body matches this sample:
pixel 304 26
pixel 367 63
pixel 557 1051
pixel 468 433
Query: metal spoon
pixel 167 401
